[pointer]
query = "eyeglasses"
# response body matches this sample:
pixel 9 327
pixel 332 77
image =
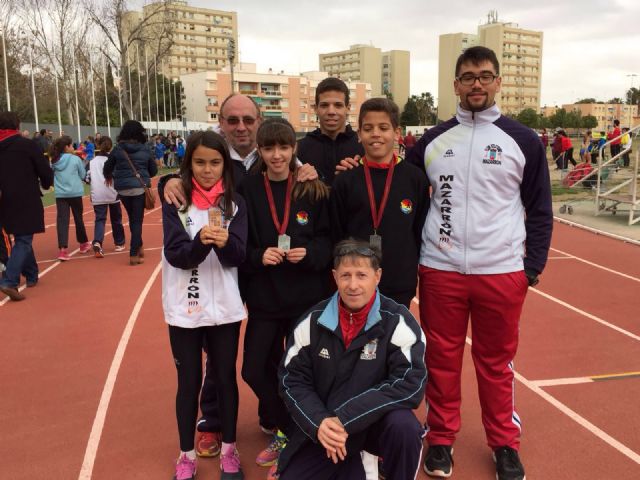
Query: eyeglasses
pixel 469 79
pixel 236 120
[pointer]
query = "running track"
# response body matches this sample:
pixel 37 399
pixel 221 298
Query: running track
pixel 88 384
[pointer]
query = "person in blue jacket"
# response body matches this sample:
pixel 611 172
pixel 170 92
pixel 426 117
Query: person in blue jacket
pixel 69 174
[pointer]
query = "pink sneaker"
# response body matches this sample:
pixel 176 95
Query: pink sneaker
pixel 185 468
pixel 85 247
pixel 63 255
pixel 230 464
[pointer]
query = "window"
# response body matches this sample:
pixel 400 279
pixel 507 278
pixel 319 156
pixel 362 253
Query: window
pixel 303 117
pixel 212 101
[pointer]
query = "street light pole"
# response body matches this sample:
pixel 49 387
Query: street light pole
pixel 633 76
pixel 231 55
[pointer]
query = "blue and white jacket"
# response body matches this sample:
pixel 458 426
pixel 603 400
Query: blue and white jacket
pixel 491 195
pixel 382 370
pixel 200 282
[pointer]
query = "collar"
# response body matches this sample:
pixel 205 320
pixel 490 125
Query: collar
pixel 330 316
pixel 4 134
pixel 471 119
pixel 247 161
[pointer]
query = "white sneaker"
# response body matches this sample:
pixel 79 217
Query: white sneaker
pixel 120 248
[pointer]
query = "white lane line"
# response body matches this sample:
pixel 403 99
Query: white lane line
pixel 583 422
pixel 554 382
pixel 91 255
pixel 597 265
pixel 586 314
pixel 105 398
pixel 58 262
pixel 596 231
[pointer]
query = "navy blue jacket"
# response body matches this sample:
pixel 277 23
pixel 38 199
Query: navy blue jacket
pixel 118 168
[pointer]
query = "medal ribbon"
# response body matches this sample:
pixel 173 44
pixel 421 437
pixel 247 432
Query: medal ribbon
pixel 280 227
pixel 376 214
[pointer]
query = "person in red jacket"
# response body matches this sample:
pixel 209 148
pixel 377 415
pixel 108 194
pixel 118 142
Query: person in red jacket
pixel 615 133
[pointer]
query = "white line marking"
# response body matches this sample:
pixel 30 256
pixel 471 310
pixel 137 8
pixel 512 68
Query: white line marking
pixel 586 314
pixel 103 406
pixel 602 435
pixel 554 382
pixel 583 422
pixel 596 231
pixel 561 258
pixel 58 262
pixel 602 267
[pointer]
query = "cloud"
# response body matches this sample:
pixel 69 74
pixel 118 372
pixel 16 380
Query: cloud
pixel 588 46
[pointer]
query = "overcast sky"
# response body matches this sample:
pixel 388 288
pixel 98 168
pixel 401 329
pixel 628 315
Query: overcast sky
pixel 589 46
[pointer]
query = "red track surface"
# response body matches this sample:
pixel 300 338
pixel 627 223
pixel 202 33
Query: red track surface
pixel 58 347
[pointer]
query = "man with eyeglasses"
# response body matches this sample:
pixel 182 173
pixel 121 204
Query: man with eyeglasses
pixel 485 241
pixel 353 372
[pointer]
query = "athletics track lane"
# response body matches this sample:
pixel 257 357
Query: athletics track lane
pixel 61 348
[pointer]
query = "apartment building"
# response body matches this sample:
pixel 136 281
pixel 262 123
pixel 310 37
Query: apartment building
pixel 387 72
pixel 451 45
pixel 278 94
pixel 519 52
pixel 606 113
pixel 200 36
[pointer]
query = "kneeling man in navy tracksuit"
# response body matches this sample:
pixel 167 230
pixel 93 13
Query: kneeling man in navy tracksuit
pixel 352 372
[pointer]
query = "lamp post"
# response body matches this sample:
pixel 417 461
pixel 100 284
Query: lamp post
pixel 6 73
pixel 231 55
pixel 633 76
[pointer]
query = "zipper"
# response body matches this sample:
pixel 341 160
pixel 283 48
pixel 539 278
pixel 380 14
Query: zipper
pixel 466 207
pixel 351 319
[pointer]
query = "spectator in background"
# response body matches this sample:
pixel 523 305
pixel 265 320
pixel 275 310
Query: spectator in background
pixel 585 148
pixel 567 151
pixel 43 141
pixel 625 145
pixel 409 141
pixel 544 136
pixel 26 133
pixel 612 135
pixel 23 171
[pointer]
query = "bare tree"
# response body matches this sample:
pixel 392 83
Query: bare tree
pixel 123 30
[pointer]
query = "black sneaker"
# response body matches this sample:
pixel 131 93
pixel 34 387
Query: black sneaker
pixel 438 462
pixel 508 465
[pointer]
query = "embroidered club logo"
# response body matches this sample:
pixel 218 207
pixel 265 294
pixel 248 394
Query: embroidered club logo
pixel 492 155
pixel 324 353
pixel 302 217
pixel 406 206
pixel 449 153
pixel 189 222
pixel 369 350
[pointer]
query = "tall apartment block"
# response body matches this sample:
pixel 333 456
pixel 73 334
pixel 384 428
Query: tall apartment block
pixel 200 36
pixel 450 47
pixel 387 72
pixel 519 52
pixel 279 95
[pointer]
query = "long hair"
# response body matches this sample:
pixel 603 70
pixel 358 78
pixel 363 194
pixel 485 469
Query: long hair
pixel 132 131
pixel 278 131
pixel 57 148
pixel 208 139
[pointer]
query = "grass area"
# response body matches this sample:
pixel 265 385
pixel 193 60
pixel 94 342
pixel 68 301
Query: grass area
pixel 49 197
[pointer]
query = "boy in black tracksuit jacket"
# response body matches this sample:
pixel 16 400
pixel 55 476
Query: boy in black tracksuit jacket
pixel 400 228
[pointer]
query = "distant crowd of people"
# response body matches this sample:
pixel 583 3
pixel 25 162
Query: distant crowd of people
pixel 322 243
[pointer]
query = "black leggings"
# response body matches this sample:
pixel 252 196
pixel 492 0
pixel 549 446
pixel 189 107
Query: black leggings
pixel 263 350
pixel 63 205
pixel 186 345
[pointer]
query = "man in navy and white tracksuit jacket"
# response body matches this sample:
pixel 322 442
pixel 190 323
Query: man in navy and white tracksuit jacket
pixel 357 365
pixel 485 240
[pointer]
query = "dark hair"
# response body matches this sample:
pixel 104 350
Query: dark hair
pixel 255 104
pixel 332 84
pixel 132 131
pixel 380 105
pixel 354 249
pixel 43 131
pixel 477 55
pixel 57 148
pixel 208 139
pixel 104 145
pixel 9 121
pixel 616 122
pixel 278 131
